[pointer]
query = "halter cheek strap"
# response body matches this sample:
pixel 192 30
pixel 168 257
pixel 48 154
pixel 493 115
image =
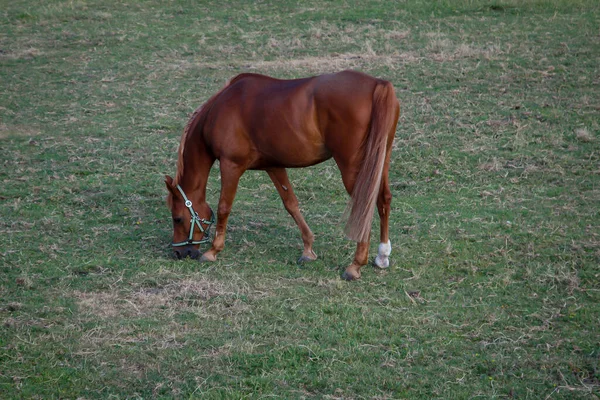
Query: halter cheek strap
pixel 196 220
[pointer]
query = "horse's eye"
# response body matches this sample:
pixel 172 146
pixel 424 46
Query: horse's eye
pixel 177 220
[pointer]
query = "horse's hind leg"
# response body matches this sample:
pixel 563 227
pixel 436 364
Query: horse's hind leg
pixel 284 188
pixel 384 199
pixel 383 207
pixel 349 172
pixel 361 257
pixel 230 176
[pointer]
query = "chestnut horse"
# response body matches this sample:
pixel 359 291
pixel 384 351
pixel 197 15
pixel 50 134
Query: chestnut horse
pixel 262 123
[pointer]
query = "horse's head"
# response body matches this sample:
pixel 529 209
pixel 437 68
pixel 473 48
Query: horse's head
pixel 192 220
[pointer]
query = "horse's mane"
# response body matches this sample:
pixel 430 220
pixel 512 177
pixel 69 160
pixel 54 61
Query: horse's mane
pixel 191 124
pixel 197 119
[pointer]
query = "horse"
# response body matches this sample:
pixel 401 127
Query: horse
pixel 256 122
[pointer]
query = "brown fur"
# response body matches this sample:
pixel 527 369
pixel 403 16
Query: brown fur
pixel 263 123
pixel 196 120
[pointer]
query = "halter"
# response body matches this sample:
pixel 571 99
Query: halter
pixel 196 220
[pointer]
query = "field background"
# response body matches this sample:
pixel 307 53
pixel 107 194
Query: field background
pixel 494 287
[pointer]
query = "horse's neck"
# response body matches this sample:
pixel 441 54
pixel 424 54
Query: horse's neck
pixel 197 162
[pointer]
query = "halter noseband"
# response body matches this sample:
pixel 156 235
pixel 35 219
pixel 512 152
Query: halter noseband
pixel 196 220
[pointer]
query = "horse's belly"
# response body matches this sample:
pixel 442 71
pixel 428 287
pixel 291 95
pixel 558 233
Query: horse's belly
pixel 288 153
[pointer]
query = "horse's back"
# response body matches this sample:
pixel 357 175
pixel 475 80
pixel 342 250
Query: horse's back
pixel 262 122
pixel 268 122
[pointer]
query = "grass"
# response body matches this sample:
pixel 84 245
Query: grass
pixel 493 290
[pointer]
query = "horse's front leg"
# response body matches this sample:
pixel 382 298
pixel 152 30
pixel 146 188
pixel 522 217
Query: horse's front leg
pixel 230 177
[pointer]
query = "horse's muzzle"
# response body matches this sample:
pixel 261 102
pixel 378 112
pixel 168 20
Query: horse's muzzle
pixel 186 251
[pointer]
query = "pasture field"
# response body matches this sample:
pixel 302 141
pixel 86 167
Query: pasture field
pixel 494 287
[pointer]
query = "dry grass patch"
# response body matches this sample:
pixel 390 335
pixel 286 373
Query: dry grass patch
pixel 337 62
pixel 24 53
pixel 7 131
pixel 583 135
pixel 396 35
pixel 202 296
pixel 445 51
pixel 442 49
pixel 494 165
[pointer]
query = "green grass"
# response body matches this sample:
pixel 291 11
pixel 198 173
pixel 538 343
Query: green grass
pixel 493 291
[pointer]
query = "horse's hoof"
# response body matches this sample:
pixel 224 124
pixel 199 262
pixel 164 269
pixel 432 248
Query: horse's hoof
pixel 307 256
pixel 206 258
pixel 305 259
pixel 381 262
pixel 350 277
pixel 383 255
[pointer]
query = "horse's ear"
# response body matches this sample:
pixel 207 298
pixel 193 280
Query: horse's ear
pixel 169 183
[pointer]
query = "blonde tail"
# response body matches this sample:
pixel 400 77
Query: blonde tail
pixel 362 203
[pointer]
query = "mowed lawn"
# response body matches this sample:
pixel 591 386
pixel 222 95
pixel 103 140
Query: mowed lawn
pixel 494 285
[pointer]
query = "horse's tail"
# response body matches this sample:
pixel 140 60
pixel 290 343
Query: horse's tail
pixel 384 117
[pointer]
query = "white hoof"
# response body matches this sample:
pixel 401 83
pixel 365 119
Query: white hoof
pixel 383 255
pixel 382 262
